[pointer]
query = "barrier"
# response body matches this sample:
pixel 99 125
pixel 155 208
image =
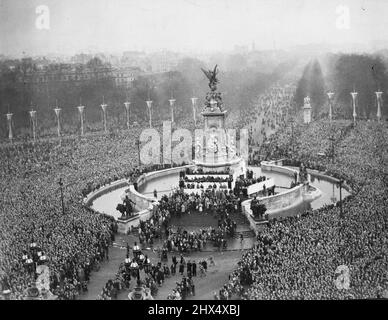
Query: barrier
pixel 257 187
pixel 271 166
pixel 146 177
pixel 142 201
pixel 277 203
pixel 88 200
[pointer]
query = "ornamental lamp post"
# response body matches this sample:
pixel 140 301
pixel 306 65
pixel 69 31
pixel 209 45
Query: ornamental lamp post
pixel 9 121
pixel 57 114
pixel 330 95
pixel 127 105
pixel 103 107
pixel 138 150
pixel 149 105
pixel 194 104
pixel 354 97
pixel 172 103
pixel 81 113
pixel 332 148
pixel 33 121
pixel 379 100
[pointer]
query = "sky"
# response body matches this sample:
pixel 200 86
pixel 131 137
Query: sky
pixel 186 25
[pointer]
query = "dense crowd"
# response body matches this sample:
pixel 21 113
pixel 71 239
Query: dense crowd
pixel 74 240
pixel 183 289
pixel 294 258
pixel 269 112
pixel 300 257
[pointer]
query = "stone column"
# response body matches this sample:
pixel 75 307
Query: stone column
pixel 307 110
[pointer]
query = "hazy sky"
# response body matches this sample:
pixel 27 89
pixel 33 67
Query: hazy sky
pixel 182 25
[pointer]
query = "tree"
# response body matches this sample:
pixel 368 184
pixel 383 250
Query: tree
pixel 364 73
pixel 311 84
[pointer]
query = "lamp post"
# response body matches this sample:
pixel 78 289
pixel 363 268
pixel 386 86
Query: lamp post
pixel 378 96
pixel 127 105
pixel 103 107
pixel 33 122
pixel 149 105
pixel 330 96
pixel 138 149
pixel 333 198
pixel 81 113
pixel 172 103
pixel 57 113
pixel 354 97
pixel 9 121
pixel 332 149
pixel 61 187
pixel 194 104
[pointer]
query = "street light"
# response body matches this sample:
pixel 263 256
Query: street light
pixel 103 107
pixel 33 122
pixel 61 187
pixel 9 121
pixel 57 111
pixel 127 105
pixel 138 149
pixel 332 149
pixel 354 98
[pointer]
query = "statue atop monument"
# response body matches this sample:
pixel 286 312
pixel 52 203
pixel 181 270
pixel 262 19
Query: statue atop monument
pixel 212 76
pixel 213 98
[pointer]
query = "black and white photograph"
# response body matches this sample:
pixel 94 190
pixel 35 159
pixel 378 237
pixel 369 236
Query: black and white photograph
pixel 215 150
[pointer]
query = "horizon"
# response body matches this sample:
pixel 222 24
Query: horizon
pixel 188 26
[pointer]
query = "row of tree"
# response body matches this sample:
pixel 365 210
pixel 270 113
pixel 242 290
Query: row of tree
pixel 239 88
pixel 365 74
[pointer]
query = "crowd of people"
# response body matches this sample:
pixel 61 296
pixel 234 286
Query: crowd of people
pixel 73 238
pixel 293 258
pixel 269 112
pixel 183 289
pixel 208 179
pixel 298 257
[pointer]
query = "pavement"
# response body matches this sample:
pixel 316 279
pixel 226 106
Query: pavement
pixel 205 287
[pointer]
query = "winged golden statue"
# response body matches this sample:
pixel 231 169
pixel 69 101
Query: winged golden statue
pixel 212 76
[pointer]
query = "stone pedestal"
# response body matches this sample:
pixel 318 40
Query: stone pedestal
pixel 307 110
